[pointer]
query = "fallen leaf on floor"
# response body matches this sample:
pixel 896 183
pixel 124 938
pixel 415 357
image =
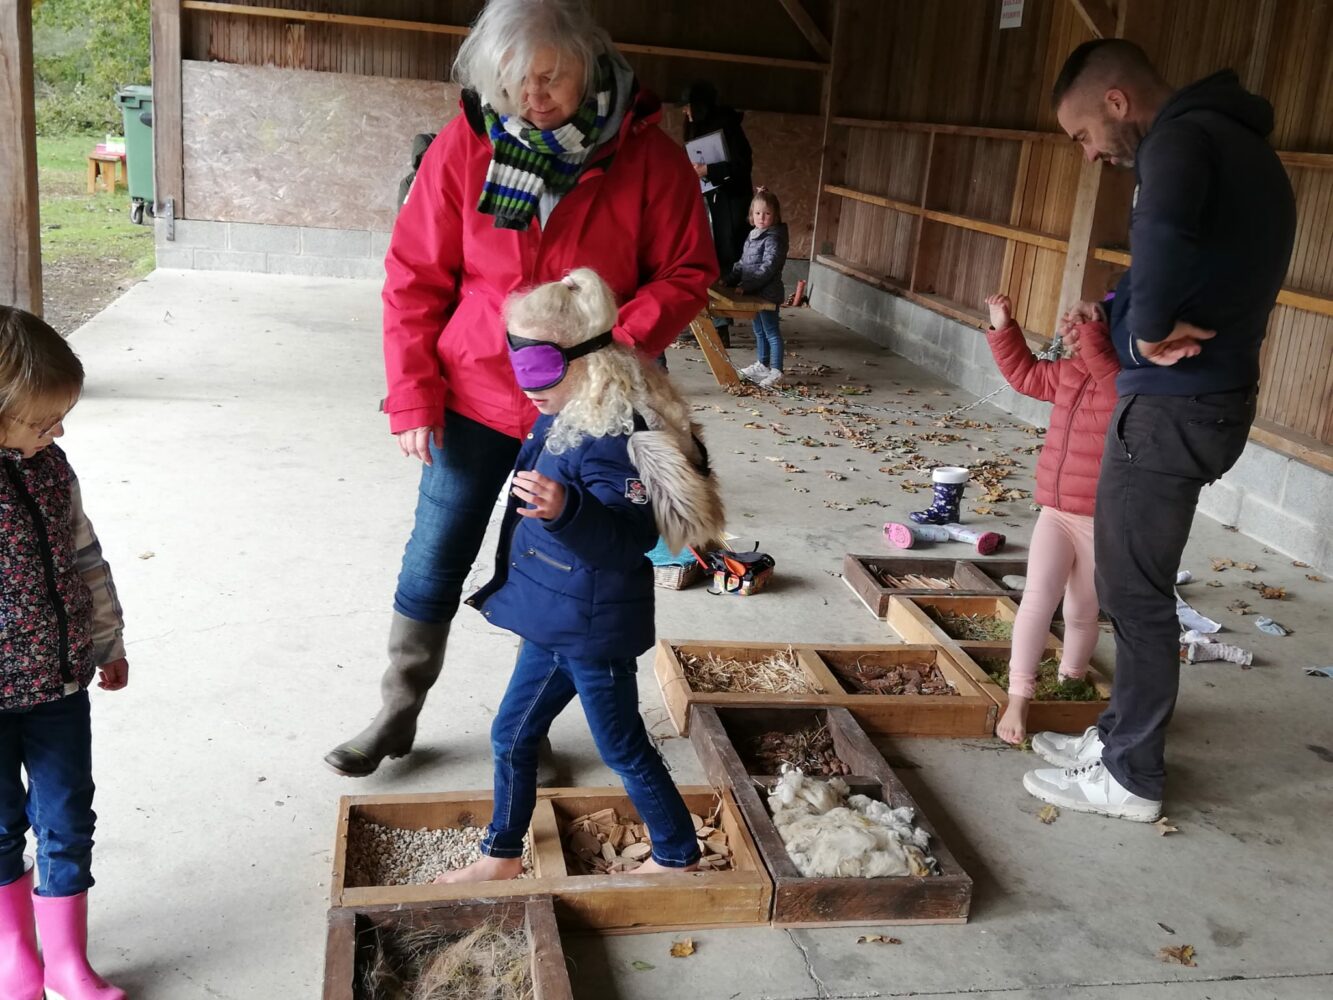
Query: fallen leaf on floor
pixel 1181 954
pixel 838 506
pixel 1169 930
pixel 1272 593
pixel 982 509
pixel 1230 527
pixel 1163 826
pixel 1314 578
pixel 837 477
pixel 877 939
pixel 1240 608
pixel 639 965
pixel 147 555
pixel 788 467
pixel 1048 815
pixel 800 489
pixel 1220 565
pixel 752 426
pixel 1247 567
pixel 1300 565
pixel 683 949
pixel 1214 583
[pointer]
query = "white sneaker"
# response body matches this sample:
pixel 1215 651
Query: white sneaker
pixel 772 379
pixel 755 372
pixel 1091 788
pixel 1068 751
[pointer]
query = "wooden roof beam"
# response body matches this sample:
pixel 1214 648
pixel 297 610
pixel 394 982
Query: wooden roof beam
pixel 796 11
pixel 1098 16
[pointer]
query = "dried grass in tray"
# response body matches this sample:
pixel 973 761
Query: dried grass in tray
pixel 777 673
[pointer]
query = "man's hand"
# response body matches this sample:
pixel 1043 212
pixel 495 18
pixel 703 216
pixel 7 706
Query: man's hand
pixel 1001 309
pixel 546 496
pixel 416 442
pixel 1184 341
pixel 1083 312
pixel 114 675
pixel 701 170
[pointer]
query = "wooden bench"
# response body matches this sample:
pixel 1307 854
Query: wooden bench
pixel 724 303
pixel 109 168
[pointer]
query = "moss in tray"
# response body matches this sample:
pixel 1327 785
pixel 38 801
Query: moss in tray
pixel 1050 686
pixel 986 628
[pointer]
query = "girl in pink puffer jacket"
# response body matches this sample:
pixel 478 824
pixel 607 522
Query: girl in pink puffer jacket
pixel 1060 559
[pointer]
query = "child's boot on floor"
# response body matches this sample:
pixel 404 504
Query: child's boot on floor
pixel 62 922
pixel 906 536
pixel 20 968
pixel 948 483
pixel 986 542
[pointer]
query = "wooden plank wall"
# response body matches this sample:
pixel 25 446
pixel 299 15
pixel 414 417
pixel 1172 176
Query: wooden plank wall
pixel 750 27
pixel 946 63
pixel 20 237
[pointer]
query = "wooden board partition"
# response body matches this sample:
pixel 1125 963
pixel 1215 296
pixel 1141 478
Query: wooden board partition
pixel 1055 716
pixel 967 712
pixel 971 577
pixel 800 901
pixel 350 927
pixel 613 903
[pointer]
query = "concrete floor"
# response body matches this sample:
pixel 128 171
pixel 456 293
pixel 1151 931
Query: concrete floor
pixel 254 509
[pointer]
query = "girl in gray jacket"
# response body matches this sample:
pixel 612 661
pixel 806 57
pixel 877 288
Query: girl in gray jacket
pixel 759 272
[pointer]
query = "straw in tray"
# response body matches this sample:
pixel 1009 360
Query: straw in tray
pixel 485 963
pixel 900 678
pixel 1050 685
pixel 972 627
pixel 777 673
pixel 914 581
pixel 810 750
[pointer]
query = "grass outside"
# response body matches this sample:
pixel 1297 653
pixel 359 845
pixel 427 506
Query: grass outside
pixel 90 249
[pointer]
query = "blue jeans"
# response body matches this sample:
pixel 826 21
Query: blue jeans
pixel 454 504
pixel 543 683
pixel 767 339
pixel 53 743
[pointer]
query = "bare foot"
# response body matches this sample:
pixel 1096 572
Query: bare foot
pixel 1012 727
pixel 483 870
pixel 651 867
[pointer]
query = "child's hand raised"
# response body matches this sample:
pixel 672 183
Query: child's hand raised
pixel 546 496
pixel 1001 310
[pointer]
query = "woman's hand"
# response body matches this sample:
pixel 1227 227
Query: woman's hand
pixel 1001 310
pixel 701 170
pixel 114 675
pixel 416 442
pixel 546 496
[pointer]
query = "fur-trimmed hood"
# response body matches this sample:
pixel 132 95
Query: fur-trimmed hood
pixel 687 503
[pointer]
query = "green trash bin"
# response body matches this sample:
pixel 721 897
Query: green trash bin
pixel 136 108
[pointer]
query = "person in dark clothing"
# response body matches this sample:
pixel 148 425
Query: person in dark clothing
pixel 729 201
pixel 1211 234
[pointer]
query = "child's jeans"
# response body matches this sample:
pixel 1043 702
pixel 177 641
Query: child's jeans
pixel 1060 564
pixel 544 682
pixel 53 743
pixel 767 339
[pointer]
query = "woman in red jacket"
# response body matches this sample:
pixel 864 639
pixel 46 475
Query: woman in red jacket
pixel 556 162
pixel 1060 562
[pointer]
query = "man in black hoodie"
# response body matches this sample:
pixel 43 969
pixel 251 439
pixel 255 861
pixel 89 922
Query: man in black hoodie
pixel 1211 234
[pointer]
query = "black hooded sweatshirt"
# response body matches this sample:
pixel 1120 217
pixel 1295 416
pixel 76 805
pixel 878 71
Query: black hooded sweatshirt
pixel 1211 233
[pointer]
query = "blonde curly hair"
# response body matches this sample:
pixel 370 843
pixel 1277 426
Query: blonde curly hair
pixel 610 385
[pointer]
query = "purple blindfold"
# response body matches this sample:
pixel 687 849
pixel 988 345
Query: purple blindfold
pixel 539 364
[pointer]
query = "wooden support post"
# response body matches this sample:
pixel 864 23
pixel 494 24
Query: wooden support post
pixel 1098 16
pixel 1081 244
pixel 168 139
pixel 833 153
pixel 796 10
pixel 20 229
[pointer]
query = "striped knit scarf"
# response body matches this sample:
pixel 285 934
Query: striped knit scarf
pixel 528 161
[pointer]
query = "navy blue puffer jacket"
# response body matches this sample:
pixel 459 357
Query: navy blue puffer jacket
pixel 579 584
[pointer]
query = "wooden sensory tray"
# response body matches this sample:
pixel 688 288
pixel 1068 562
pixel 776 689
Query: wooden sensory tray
pixel 973 576
pixel 799 901
pixel 966 713
pixel 624 902
pixel 350 928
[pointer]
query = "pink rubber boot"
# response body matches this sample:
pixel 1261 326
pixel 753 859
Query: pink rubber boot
pixel 62 922
pixel 906 536
pixel 20 968
pixel 985 541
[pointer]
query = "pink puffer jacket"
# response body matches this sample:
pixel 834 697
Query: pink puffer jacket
pixel 1083 391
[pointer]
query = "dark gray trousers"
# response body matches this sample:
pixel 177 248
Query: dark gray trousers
pixel 1160 452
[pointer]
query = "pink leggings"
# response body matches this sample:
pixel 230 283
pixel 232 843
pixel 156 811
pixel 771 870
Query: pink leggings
pixel 1059 565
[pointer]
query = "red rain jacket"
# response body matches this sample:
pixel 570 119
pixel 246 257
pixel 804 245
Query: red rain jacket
pixel 1083 391
pixel 635 216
